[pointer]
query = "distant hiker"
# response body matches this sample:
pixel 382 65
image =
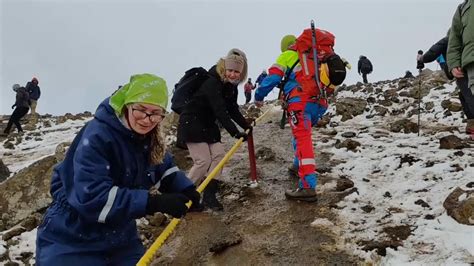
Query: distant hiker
pixel 419 62
pixel 260 78
pixel 116 170
pixel 437 52
pixel 35 93
pixel 306 101
pixel 460 56
pixel 215 100
pixel 21 109
pixel 365 67
pixel 408 75
pixel 248 87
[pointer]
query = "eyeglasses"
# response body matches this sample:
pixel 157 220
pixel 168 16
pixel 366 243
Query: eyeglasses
pixel 154 117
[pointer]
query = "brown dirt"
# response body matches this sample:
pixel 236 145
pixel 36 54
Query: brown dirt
pixel 259 226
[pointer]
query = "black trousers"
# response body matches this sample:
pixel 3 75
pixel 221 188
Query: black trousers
pixel 466 97
pixel 17 114
pixel 364 77
pixel 248 97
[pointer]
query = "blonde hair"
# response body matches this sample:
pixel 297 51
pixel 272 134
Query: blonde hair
pixel 158 146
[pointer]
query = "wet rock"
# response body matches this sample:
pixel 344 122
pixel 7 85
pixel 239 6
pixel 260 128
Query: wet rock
pixel 26 192
pixel 385 102
pixel 429 217
pixel 348 143
pixel 398 233
pixel 445 104
pixel 367 208
pixel 452 142
pixel 266 154
pixel 470 185
pixel 407 158
pixel 460 210
pixel 371 99
pixel 61 150
pixel 4 171
pixel 344 183
pixel 429 105
pixel 403 83
pixel 455 107
pixel 348 134
pixel 12 233
pixel 350 107
pixel 459 153
pixel 422 203
pixel 405 126
pixel 387 194
pixel 223 244
pixel 157 219
pixel 325 120
pixel 8 145
pixel 31 222
pixel 381 111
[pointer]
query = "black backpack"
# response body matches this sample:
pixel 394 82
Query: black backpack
pixel 186 87
pixel 366 66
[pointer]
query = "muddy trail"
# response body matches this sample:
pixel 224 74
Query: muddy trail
pixel 258 225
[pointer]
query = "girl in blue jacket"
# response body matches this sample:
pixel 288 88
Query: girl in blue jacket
pixel 116 170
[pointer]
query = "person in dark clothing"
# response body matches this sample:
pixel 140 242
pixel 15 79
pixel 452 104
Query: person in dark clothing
pixel 21 109
pixel 440 49
pixel 365 67
pixel 437 50
pixel 116 170
pixel 419 63
pixel 216 99
pixel 35 93
pixel 248 87
pixel 408 75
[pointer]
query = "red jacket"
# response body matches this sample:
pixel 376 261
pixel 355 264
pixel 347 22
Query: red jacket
pixel 248 87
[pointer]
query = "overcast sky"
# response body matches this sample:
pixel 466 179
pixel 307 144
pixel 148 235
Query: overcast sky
pixel 82 50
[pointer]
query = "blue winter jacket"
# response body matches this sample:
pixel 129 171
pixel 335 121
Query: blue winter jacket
pixel 102 185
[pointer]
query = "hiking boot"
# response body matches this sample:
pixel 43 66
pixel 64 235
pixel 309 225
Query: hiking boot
pixel 209 198
pixel 304 194
pixel 470 126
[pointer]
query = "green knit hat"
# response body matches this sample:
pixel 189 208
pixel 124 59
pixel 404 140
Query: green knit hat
pixel 142 88
pixel 286 41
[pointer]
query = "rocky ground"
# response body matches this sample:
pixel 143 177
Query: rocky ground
pixel 386 195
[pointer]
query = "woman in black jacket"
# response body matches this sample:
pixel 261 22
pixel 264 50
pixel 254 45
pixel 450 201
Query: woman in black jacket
pixel 216 99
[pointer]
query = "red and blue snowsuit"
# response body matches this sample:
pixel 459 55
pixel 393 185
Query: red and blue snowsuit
pixel 304 111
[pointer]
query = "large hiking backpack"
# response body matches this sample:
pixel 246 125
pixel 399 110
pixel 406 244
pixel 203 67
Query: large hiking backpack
pixel 324 52
pixel 186 87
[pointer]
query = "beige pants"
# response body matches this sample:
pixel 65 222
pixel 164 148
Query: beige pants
pixel 205 157
pixel 33 106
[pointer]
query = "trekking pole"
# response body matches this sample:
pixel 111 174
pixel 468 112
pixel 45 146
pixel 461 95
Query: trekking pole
pixel 419 101
pixel 252 161
pixel 315 60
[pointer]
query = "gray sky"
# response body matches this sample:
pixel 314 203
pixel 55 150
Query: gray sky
pixel 82 50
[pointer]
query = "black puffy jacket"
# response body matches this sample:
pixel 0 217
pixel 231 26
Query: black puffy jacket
pixel 439 48
pixel 214 100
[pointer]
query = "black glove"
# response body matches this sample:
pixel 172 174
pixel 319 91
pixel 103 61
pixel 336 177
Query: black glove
pixel 192 195
pixel 239 135
pixel 170 203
